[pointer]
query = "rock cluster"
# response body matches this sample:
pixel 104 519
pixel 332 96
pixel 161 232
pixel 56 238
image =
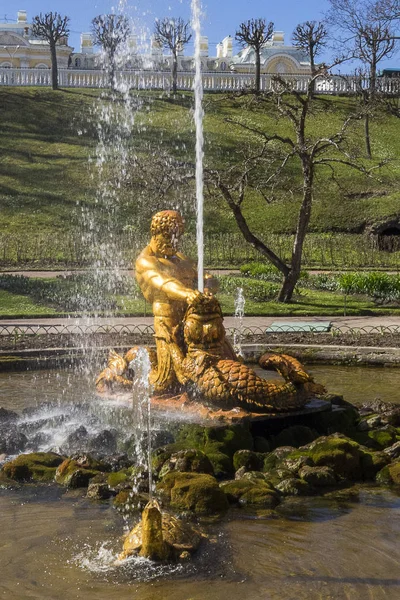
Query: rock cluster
pixel 206 469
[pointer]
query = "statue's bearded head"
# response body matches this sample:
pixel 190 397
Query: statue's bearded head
pixel 166 228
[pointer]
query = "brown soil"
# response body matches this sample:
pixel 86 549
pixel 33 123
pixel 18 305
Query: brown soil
pixel 32 342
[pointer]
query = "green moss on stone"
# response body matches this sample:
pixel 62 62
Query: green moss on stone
pixel 297 435
pixel 75 474
pixel 196 492
pixel 251 492
pixel 338 452
pixel 390 475
pixel 372 463
pixel 38 466
pixel 252 461
pixel 114 479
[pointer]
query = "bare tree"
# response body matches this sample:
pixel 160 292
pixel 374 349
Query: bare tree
pixel 311 36
pixel 109 32
pixel 368 35
pixel 51 27
pixel 278 154
pixel 172 34
pixel 255 33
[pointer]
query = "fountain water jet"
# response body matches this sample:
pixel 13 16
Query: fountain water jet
pixel 198 117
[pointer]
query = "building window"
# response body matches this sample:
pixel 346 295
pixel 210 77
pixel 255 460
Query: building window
pixel 6 65
pixel 42 66
pixel 78 63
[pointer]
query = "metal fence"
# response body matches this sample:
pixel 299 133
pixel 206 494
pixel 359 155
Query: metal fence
pixel 215 82
pixel 146 331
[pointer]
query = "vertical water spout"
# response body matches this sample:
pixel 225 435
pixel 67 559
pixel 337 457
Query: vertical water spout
pixel 239 314
pixel 198 118
pixel 141 394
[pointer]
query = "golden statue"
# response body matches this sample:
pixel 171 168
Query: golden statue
pixel 192 351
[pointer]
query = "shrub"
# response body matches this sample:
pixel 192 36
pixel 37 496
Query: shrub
pixel 259 291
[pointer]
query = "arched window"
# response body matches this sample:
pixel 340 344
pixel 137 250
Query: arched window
pixel 42 66
pixel 6 65
pixel 78 63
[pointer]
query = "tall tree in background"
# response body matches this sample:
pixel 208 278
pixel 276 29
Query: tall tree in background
pixel 109 32
pixel 172 34
pixel 51 27
pixel 365 30
pixel 311 36
pixel 255 33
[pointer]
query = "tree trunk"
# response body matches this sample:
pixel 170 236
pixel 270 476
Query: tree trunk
pixel 367 135
pixel 54 70
pixel 112 71
pixel 174 73
pixel 291 279
pixel 258 72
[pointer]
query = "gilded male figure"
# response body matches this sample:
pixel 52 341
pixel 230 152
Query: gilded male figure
pixel 168 280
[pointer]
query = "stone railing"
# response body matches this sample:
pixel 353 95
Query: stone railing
pixel 148 80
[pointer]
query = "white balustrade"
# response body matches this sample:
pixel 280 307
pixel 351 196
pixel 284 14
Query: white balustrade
pixel 218 81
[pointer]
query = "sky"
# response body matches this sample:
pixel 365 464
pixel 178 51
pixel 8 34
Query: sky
pixel 220 17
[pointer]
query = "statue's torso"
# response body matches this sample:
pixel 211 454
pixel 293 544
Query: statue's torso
pixel 153 270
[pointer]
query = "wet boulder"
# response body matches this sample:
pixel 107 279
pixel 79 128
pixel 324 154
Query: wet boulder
pixel 77 441
pixel 77 471
pixel 390 474
pixel 338 452
pixel 7 416
pixel 194 492
pixel 251 492
pixel 38 466
pixel 292 486
pixel 250 460
pixel 187 461
pixel 372 463
pixel 318 476
pixel 393 451
pixel 12 440
pixel 296 435
pixel 104 442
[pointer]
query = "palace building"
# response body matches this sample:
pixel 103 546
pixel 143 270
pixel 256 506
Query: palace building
pixel 20 49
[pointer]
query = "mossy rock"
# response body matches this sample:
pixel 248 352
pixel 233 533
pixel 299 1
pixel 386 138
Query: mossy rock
pixel 255 492
pixel 343 419
pixel 318 476
pixel 38 466
pixel 378 438
pixel 273 459
pixel 252 461
pixel 372 463
pixel 222 463
pixel 297 435
pixel 117 478
pixel 128 502
pixel 228 439
pixel 187 461
pixel 195 492
pixel 261 444
pixel 75 474
pixel 294 487
pixel 338 452
pixel 390 475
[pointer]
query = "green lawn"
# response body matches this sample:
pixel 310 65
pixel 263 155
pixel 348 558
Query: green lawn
pixel 309 303
pixel 48 187
pixel 16 306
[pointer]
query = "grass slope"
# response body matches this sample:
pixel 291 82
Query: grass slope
pixel 46 139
